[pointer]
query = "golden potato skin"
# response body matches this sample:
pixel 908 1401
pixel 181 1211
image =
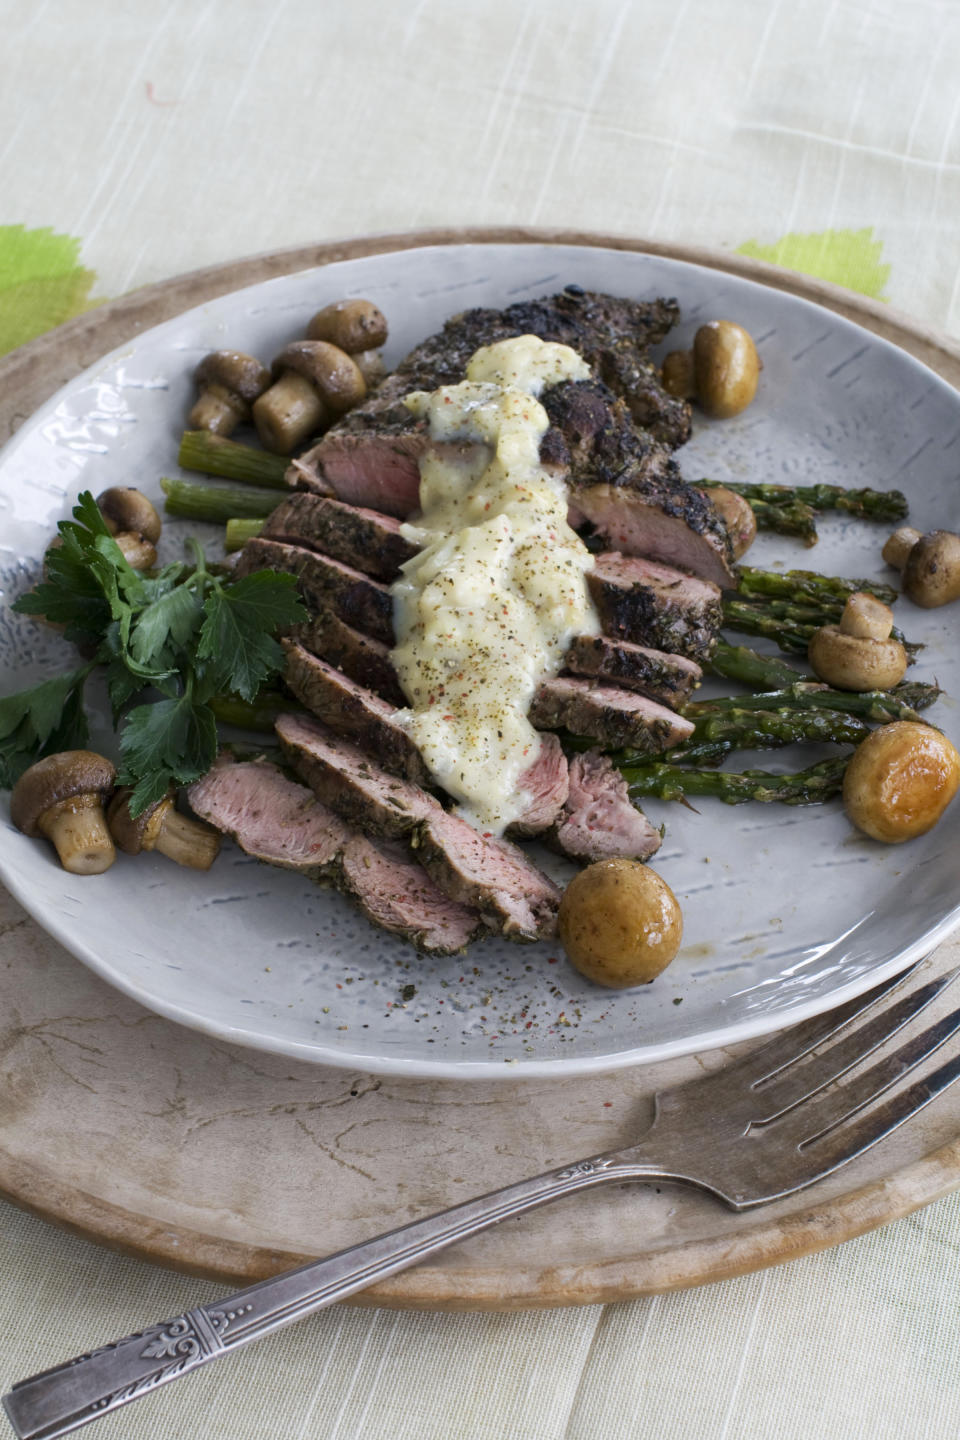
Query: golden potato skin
pixel 619 923
pixel 900 780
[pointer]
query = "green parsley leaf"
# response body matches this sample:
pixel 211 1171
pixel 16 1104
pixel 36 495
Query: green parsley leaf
pixel 237 640
pixel 40 721
pixel 170 742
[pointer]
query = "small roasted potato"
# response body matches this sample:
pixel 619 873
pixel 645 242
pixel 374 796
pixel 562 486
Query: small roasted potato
pixel 619 923
pixel 900 780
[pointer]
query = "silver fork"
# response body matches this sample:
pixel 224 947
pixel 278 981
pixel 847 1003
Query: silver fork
pixel 764 1127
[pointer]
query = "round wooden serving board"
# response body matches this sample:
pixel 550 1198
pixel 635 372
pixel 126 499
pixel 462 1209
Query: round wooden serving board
pixel 233 1164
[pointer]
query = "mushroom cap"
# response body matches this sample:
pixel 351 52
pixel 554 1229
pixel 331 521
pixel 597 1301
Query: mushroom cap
pixel 242 374
pixel 931 574
pixel 337 377
pixel 57 778
pixel 127 511
pixel 131 835
pixel 354 325
pixel 849 662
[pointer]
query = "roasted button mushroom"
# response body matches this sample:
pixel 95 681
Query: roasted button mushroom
pixel 61 797
pixel 619 923
pixel 228 382
pixel 930 565
pixel 859 653
pixel 313 382
pixel 161 827
pixel 353 325
pixel 133 522
pixel 900 780
pixel 721 372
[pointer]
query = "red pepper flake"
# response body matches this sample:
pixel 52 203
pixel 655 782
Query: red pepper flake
pixel 607 1104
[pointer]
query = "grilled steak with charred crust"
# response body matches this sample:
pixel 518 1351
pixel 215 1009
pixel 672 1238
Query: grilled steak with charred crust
pixel 365 539
pixel 615 717
pixel 651 604
pixel 396 893
pixel 671 679
pixel 352 710
pixel 613 432
pixel 496 878
pixel 362 658
pixel 324 582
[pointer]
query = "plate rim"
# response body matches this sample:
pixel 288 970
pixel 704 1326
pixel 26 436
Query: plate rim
pixel 868 314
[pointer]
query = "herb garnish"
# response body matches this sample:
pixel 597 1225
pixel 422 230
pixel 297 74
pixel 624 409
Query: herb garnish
pixel 183 631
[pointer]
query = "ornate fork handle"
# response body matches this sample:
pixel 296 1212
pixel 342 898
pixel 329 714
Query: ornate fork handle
pixel 81 1390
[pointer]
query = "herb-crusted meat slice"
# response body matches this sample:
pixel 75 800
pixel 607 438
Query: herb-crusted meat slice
pixel 599 821
pixel 671 679
pixel 371 456
pixel 270 816
pixel 365 539
pixel 492 876
pixel 362 658
pixel 628 485
pixel 345 778
pixel 513 896
pixel 351 710
pixel 397 894
pixel 655 605
pixel 326 583
pixel 618 718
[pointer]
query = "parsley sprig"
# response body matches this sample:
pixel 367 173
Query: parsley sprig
pixel 171 641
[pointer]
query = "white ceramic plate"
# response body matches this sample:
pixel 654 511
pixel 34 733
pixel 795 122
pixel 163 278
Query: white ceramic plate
pixel 786 911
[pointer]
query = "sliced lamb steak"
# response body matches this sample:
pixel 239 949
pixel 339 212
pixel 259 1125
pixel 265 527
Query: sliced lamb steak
pixel 352 784
pixel 324 582
pixel 652 604
pixel 599 821
pixel 362 658
pixel 618 718
pixel 671 679
pixel 627 484
pixel 513 896
pixel 270 816
pixel 397 894
pixel 276 820
pixel 365 539
pixel 546 782
pixel 351 710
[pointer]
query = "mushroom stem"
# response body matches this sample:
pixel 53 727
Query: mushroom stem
pixel 77 829
pixel 288 412
pixel 218 411
pixel 186 841
pixel 138 553
pixel 899 545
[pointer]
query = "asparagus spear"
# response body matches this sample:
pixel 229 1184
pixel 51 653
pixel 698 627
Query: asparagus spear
pixel 865 503
pixel 799 584
pixel 749 667
pixel 796 518
pixel 218 503
pixel 716 733
pixel 257 714
pixel 813 786
pixel 881 706
pixel 239 532
pixel 215 455
pixel 790 625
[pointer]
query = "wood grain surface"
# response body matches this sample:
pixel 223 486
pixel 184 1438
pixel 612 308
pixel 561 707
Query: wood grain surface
pixel 231 1164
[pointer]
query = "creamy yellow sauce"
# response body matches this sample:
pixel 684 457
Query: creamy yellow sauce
pixel 485 611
